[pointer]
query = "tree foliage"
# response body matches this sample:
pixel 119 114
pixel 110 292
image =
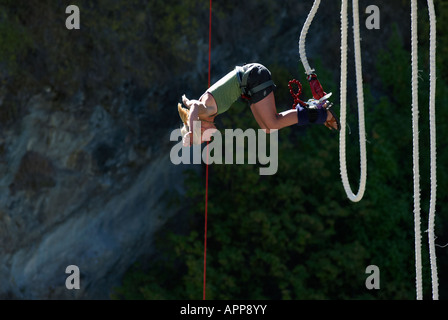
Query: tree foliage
pixel 295 235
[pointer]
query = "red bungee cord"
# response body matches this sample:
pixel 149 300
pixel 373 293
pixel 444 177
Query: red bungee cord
pixel 206 165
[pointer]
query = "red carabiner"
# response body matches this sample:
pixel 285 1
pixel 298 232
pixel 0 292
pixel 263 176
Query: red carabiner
pixel 316 87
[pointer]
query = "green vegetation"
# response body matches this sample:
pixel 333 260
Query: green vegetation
pixel 115 41
pixel 13 41
pixel 295 235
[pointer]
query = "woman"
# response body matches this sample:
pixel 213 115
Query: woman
pixel 253 83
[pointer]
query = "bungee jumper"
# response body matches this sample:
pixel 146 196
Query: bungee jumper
pixel 253 83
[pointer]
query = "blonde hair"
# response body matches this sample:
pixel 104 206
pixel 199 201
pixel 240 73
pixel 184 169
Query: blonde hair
pixel 184 116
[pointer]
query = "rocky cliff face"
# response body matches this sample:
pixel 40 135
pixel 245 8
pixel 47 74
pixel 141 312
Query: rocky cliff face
pixel 77 189
pixel 84 169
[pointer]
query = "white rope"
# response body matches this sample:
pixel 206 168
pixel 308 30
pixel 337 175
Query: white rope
pixel 362 139
pixel 415 131
pixel 415 151
pixel 432 127
pixel 309 70
pixel 359 88
pixel 303 34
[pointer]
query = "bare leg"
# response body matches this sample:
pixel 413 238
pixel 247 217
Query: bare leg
pixel 266 115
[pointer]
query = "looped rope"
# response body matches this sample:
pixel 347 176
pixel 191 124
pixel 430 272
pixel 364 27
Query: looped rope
pixel 296 96
pixel 415 131
pixel 308 70
pixel 433 167
pixel 303 33
pixel 359 88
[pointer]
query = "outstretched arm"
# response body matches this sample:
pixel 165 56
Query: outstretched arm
pixel 194 115
pixel 196 107
pixel 204 109
pixel 208 105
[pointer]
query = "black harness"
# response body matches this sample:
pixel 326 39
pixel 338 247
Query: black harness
pixel 243 75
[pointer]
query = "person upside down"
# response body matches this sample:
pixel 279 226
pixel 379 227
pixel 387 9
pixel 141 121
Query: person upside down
pixel 253 83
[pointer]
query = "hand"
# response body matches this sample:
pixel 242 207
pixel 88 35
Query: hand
pixel 331 122
pixel 188 139
pixel 187 102
pixel 207 133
